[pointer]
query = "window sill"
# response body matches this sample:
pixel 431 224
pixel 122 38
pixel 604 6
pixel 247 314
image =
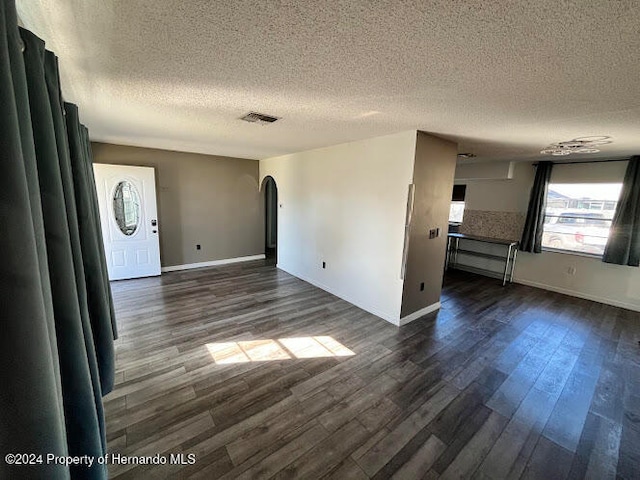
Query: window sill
pixel 572 252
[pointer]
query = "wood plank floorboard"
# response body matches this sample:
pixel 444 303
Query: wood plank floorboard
pixel 261 375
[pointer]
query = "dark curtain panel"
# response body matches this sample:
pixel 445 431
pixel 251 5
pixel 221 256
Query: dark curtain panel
pixel 57 314
pixel 532 234
pixel 92 193
pixel 87 314
pixel 31 411
pixel 81 391
pixel 623 247
pixel 99 292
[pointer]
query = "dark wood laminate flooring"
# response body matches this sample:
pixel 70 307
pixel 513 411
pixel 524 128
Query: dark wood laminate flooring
pixel 509 382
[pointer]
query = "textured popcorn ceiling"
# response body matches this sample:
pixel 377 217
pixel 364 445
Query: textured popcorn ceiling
pixel 504 78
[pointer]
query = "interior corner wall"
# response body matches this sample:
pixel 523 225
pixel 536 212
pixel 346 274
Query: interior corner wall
pixel 202 199
pixel 594 280
pixel 345 205
pixel 433 173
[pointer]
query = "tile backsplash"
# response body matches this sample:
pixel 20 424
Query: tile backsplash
pixel 505 225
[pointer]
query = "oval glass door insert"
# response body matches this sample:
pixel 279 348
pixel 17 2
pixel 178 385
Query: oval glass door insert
pixel 126 207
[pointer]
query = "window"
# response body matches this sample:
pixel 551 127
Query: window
pixel 578 216
pixel 456 211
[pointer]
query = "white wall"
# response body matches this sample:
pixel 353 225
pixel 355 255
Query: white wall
pixel 499 195
pixel 484 170
pixel 613 284
pixel 345 205
pixel 593 279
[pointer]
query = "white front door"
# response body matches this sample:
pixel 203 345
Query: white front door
pixel 129 218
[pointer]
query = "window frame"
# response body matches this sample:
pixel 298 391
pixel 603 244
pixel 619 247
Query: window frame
pixel 458 194
pixel 587 215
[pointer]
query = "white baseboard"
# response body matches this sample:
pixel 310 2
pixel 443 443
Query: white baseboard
pixel 366 308
pixel 575 293
pixel 212 263
pixel 419 314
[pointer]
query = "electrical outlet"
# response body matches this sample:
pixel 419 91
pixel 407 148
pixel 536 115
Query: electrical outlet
pixel 433 233
pixel 198 247
pixel 571 270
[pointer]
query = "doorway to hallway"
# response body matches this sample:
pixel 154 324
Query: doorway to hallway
pixel 271 218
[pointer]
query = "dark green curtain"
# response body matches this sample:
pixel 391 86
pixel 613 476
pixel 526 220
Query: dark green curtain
pixel 31 412
pixel 99 292
pixel 532 234
pixel 57 313
pixel 623 247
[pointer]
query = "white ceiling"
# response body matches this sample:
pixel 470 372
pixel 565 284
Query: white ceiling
pixel 503 78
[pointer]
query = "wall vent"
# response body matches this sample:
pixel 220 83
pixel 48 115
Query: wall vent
pixel 259 118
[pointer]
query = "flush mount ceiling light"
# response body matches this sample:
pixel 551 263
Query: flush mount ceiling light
pixel 577 145
pixel 465 156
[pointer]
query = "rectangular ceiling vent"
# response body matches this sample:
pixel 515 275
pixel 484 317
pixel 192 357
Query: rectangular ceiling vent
pixel 259 118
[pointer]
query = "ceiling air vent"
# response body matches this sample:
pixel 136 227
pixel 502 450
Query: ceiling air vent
pixel 259 118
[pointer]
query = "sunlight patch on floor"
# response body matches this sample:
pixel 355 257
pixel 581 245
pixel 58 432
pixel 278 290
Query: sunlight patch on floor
pixel 315 347
pixel 281 349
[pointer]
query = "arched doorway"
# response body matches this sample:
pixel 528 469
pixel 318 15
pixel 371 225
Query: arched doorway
pixel 271 218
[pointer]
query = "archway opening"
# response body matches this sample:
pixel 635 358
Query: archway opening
pixel 271 218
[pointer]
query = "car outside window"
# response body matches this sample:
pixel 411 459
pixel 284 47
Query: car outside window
pixel 578 216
